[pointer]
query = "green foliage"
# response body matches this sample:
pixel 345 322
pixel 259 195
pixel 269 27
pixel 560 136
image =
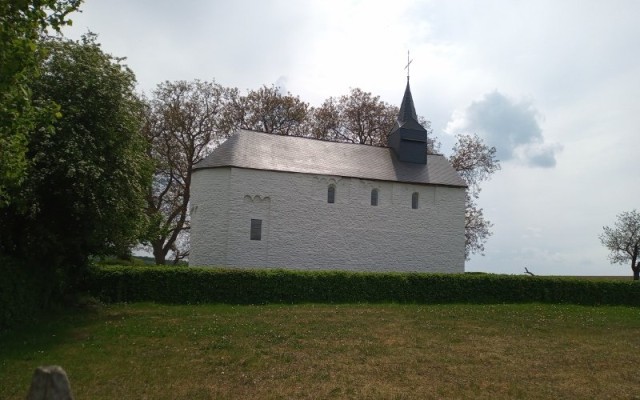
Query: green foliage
pixel 22 23
pixel 119 261
pixel 83 192
pixel 232 286
pixel 269 110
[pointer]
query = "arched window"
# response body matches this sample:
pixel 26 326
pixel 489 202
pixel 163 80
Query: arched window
pixel 331 194
pixel 414 200
pixel 374 197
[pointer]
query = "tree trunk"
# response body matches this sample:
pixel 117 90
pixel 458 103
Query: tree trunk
pixel 636 272
pixel 158 252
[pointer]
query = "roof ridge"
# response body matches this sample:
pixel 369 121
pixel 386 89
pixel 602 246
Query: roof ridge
pixel 307 138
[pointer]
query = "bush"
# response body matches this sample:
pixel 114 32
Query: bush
pixel 251 286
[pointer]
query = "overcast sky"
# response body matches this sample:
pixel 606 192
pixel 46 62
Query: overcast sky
pixel 553 85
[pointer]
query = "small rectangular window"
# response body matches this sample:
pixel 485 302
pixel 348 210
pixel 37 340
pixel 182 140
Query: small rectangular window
pixel 414 200
pixel 374 197
pixel 256 229
pixel 331 194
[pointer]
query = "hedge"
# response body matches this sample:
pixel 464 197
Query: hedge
pixel 191 285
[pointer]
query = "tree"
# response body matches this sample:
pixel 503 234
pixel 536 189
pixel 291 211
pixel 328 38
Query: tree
pixel 358 117
pixel 183 121
pixel 87 173
pixel 475 162
pixel 23 22
pixel 623 240
pixel 268 110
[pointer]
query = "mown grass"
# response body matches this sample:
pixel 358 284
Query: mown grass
pixel 149 351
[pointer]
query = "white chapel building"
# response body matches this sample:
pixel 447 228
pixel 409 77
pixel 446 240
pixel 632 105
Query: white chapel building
pixel 268 201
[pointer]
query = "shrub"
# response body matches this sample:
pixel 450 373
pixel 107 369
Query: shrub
pixel 252 286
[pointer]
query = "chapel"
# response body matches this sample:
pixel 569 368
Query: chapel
pixel 268 201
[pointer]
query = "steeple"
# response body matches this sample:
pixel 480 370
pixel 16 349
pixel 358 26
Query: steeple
pixel 408 138
pixel 407 113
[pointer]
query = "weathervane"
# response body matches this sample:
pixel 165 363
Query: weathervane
pixel 408 63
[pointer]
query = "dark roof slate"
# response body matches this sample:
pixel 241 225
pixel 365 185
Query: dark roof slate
pixel 407 117
pixel 407 108
pixel 262 151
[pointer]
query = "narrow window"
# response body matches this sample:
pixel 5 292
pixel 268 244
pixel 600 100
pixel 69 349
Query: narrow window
pixel 414 200
pixel 331 194
pixel 256 229
pixel 374 197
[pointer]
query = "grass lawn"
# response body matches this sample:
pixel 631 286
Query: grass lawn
pixel 149 351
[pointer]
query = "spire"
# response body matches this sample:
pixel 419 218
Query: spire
pixel 407 115
pixel 407 109
pixel 408 138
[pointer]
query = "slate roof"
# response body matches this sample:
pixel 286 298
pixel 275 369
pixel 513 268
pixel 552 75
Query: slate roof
pixel 262 151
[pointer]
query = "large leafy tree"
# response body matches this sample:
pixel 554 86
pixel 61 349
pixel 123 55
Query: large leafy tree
pixel 88 173
pixel 623 241
pixel 184 120
pixel 357 117
pixel 22 24
pixel 475 162
pixel 269 110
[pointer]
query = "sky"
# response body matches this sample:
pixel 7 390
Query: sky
pixel 553 85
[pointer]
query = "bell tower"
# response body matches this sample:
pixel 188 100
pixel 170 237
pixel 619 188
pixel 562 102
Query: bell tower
pixel 408 138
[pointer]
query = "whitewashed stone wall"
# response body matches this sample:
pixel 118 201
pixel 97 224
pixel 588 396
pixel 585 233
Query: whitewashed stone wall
pixel 301 230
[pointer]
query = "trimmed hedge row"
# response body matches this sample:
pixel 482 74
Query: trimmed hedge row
pixel 191 285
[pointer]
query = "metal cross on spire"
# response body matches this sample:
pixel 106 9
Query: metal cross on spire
pixel 408 63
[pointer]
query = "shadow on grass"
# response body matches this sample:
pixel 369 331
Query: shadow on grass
pixel 49 331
